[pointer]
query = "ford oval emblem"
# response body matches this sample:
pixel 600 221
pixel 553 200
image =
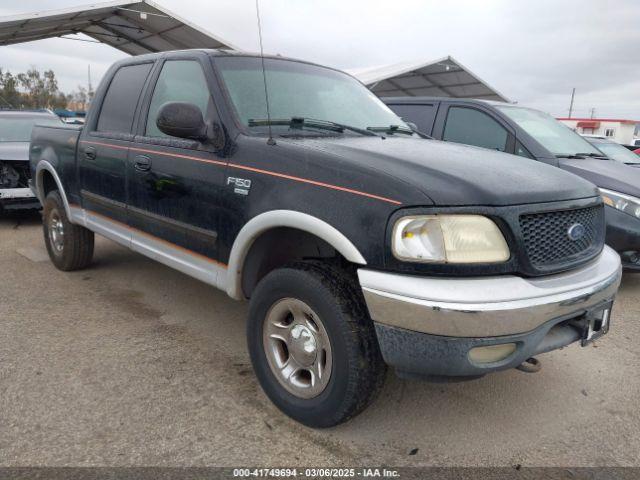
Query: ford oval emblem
pixel 576 232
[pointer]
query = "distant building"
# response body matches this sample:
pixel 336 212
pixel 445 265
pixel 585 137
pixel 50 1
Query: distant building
pixel 621 131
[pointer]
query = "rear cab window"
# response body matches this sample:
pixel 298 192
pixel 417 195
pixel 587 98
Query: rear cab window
pixel 120 102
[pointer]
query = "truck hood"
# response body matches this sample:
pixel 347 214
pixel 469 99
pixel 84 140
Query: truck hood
pixel 452 174
pixel 606 174
pixel 14 151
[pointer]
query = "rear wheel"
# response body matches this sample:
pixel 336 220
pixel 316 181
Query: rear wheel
pixel 70 246
pixel 313 345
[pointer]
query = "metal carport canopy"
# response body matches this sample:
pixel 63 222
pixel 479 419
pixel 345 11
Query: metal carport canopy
pixel 134 27
pixel 445 77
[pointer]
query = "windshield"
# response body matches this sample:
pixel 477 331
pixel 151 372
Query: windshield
pixel 17 128
pixel 301 90
pixel 553 135
pixel 617 152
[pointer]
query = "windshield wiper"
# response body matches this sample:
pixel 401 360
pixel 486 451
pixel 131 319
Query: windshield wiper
pixel 582 156
pixel 593 154
pixel 392 129
pixel 301 122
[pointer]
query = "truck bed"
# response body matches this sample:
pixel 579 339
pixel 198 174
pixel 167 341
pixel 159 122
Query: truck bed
pixel 58 145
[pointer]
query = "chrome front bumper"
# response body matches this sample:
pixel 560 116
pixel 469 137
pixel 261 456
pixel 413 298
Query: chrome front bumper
pixel 491 306
pixel 13 193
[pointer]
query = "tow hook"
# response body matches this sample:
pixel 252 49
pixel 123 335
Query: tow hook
pixel 530 365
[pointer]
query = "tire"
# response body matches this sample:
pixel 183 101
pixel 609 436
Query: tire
pixel 348 370
pixel 70 246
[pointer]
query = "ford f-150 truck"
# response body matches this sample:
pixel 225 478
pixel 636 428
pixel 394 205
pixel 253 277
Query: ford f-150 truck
pixel 357 243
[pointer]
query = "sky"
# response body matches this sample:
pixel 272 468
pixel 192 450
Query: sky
pixel 532 51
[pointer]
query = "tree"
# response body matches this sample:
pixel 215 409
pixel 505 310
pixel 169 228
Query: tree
pixel 9 96
pixel 31 89
pixel 80 97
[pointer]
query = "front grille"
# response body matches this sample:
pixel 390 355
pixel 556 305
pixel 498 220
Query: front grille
pixel 546 236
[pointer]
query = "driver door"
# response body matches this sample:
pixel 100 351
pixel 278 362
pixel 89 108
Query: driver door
pixel 174 184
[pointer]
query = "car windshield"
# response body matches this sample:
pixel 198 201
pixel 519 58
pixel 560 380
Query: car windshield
pixel 301 90
pixel 616 152
pixel 17 128
pixel 553 135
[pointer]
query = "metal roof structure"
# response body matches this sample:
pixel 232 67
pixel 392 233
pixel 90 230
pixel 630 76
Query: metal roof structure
pixel 141 26
pixel 445 77
pixel 134 27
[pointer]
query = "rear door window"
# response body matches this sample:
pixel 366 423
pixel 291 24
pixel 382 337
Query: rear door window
pixel 422 115
pixel 119 105
pixel 473 127
pixel 179 81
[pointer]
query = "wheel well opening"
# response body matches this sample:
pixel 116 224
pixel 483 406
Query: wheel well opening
pixel 48 184
pixel 280 246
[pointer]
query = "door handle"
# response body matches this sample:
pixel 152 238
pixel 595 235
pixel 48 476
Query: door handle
pixel 142 163
pixel 90 153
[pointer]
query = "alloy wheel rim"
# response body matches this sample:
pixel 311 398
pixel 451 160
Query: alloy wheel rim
pixel 56 231
pixel 297 347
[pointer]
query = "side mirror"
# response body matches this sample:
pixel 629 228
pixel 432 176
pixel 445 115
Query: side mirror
pixel 182 120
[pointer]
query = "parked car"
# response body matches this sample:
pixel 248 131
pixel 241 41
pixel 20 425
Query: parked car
pixel 533 134
pixel 356 242
pixel 15 132
pixel 614 150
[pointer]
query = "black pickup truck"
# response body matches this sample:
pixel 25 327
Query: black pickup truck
pixel 534 134
pixel 358 243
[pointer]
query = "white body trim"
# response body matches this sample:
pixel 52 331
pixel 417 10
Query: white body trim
pixel 283 218
pixel 43 166
pixel 189 263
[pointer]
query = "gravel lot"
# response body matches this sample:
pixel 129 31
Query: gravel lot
pixel 132 363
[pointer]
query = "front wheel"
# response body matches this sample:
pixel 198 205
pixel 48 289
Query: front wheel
pixel 70 246
pixel 312 344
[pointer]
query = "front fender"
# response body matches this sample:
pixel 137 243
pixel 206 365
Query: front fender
pixel 283 218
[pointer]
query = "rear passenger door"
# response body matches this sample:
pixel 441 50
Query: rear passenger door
pixel 472 126
pixel 174 184
pixel 102 152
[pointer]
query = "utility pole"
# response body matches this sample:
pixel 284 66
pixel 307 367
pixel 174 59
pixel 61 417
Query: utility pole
pixel 90 87
pixel 573 94
pixel 593 112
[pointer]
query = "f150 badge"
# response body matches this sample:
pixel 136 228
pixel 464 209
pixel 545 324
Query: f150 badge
pixel 241 185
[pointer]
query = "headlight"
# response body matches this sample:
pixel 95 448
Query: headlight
pixel 449 239
pixel 622 202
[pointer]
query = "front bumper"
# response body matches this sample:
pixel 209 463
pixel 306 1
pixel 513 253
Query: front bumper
pixel 18 199
pixel 420 320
